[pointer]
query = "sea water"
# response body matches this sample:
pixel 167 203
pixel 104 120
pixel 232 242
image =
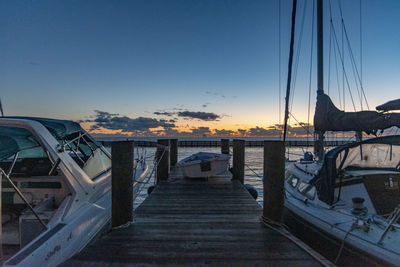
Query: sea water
pixel 253 165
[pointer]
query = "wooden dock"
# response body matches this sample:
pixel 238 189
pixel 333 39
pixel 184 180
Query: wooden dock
pixel 248 143
pixel 190 222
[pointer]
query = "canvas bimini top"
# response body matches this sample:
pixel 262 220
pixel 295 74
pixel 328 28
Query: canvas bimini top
pixel 60 129
pixel 14 139
pixel 381 153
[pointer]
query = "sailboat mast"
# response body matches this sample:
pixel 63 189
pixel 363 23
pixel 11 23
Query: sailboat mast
pixel 319 142
pixel 320 49
pixel 289 80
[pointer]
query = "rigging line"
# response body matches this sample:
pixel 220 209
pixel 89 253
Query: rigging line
pixel 337 76
pixel 297 60
pixel 343 67
pixel 361 61
pixel 344 30
pixel 353 61
pixel 290 68
pixel 280 71
pixel 299 123
pixel 311 61
pixel 1 109
pixel 342 58
pixel 329 59
pixel 334 51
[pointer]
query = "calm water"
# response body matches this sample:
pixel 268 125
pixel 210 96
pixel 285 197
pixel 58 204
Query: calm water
pixel 253 161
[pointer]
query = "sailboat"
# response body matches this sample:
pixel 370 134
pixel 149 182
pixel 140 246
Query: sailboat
pixel 347 201
pixel 55 190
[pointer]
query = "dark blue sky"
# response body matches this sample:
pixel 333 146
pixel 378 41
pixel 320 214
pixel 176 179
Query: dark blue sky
pixel 66 59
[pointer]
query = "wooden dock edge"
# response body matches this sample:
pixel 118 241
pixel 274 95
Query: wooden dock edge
pixel 280 228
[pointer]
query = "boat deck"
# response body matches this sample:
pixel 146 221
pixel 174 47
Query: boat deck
pixel 196 222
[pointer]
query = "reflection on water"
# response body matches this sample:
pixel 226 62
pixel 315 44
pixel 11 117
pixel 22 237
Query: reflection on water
pixel 253 158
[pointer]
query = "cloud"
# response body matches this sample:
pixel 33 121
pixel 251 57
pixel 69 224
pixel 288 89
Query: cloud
pixel 163 113
pixel 205 116
pixel 201 131
pixel 224 132
pixel 142 125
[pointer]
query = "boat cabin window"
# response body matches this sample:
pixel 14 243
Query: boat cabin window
pixel 307 190
pixel 87 154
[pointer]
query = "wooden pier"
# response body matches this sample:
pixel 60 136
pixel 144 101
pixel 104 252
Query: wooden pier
pixel 218 143
pixel 187 222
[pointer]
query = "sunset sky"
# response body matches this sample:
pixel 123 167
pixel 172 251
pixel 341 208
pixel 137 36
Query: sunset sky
pixel 148 67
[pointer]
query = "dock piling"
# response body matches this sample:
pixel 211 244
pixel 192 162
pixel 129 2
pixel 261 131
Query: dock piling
pixel 122 157
pixel 162 156
pixel 173 153
pixel 225 146
pixel 238 160
pixel 274 175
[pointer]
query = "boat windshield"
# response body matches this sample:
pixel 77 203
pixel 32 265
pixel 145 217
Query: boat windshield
pixel 370 156
pixel 86 153
pixel 21 153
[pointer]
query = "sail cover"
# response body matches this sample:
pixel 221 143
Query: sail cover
pixel 391 105
pixel 329 118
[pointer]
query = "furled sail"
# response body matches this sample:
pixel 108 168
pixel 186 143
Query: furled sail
pixel 391 105
pixel 329 118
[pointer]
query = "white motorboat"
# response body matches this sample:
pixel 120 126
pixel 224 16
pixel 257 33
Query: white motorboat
pixel 204 165
pixel 56 190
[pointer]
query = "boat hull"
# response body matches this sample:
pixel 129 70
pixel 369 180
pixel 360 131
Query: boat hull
pixel 195 170
pixel 326 243
pixel 214 165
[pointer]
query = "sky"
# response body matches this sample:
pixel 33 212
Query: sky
pixel 189 68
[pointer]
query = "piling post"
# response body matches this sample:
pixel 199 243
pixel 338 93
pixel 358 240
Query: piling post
pixel 225 146
pixel 274 175
pixel 173 153
pixel 122 157
pixel 162 156
pixel 238 160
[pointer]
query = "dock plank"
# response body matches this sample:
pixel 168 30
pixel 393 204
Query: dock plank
pixel 186 222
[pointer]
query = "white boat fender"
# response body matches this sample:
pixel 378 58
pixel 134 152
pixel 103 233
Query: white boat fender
pixel 253 192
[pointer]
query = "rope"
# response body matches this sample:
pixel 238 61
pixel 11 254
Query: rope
pixel 342 245
pixel 283 230
pixel 259 176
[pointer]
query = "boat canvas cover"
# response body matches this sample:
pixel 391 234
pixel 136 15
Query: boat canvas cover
pixel 13 140
pixel 391 105
pixel 375 153
pixel 329 118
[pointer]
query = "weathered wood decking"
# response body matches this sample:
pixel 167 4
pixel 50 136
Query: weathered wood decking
pixel 195 222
